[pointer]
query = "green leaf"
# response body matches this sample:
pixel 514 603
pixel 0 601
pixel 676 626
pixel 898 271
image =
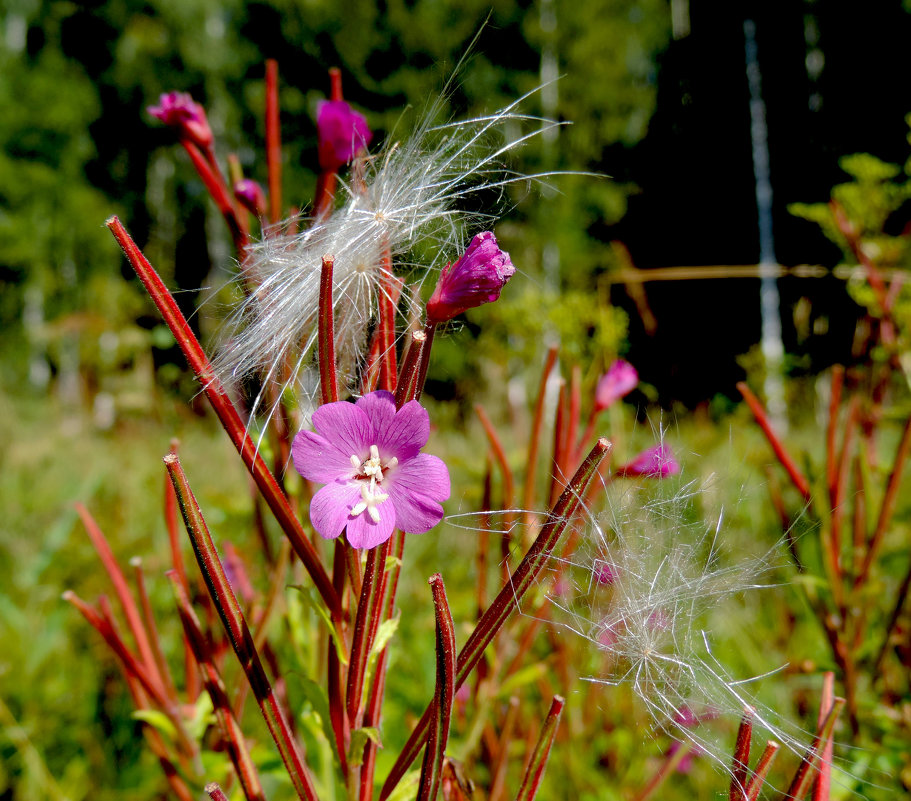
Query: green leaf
pixel 203 716
pixel 316 696
pixel 308 594
pixel 158 721
pixel 406 789
pixel 520 678
pixel 384 633
pixel 359 738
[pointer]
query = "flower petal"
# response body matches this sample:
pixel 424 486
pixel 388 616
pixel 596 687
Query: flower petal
pixel 406 434
pixel 417 487
pixel 331 506
pixel 364 533
pixel 345 427
pixel 320 460
pixel 379 407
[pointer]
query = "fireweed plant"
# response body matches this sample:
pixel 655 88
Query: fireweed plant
pixel 326 302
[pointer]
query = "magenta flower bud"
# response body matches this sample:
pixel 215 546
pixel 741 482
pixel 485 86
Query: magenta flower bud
pixel 341 132
pixel 475 278
pixel 657 462
pixel 250 195
pixel 620 379
pixel 180 111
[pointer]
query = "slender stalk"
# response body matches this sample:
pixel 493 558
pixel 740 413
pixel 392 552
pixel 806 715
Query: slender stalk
pixel 230 729
pixel 805 774
pixel 372 714
pixel 273 142
pixel 888 506
pixel 325 185
pixel 900 599
pixel 558 469
pixel 238 633
pixel 127 604
pixel 501 759
pixel 838 379
pixel 230 419
pixel 328 374
pixel 368 611
pixel 390 290
pixel 406 387
pixel 215 792
pixel 762 770
pixel 154 637
pixel 824 777
pixel 797 478
pixel 741 761
pixel 534 442
pixel 432 768
pixel 218 191
pixel 508 599
pixel 509 488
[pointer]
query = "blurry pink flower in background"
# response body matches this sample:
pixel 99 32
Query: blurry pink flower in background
pixel 250 195
pixel 620 379
pixel 656 462
pixel 179 110
pixel 368 455
pixel 472 280
pixel 341 132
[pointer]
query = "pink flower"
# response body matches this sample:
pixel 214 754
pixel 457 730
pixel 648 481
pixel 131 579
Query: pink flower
pixel 657 462
pixel 475 278
pixel 341 132
pixel 620 379
pixel 376 479
pixel 179 110
pixel 604 573
pixel 250 195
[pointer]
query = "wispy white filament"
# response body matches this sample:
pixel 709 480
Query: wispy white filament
pixel 409 204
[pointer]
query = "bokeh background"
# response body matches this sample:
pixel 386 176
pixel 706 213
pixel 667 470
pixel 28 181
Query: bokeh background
pixel 656 91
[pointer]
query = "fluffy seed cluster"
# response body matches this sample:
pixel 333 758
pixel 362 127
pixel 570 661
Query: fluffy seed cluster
pixel 409 197
pixel 642 589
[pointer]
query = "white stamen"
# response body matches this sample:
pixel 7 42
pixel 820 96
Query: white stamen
pixel 370 499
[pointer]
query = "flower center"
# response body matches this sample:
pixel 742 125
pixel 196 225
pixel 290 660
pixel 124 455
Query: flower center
pixel 370 474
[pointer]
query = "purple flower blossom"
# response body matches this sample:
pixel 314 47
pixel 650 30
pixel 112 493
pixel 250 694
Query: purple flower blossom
pixel 475 278
pixel 620 379
pixel 656 462
pixel 376 479
pixel 251 197
pixel 341 132
pixel 179 110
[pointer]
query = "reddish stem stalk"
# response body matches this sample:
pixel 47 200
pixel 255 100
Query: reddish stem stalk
pixel 228 416
pixel 535 772
pixel 508 599
pixel 762 770
pixel 273 142
pixel 328 374
pixel 238 633
pixel 233 737
pixel 432 768
pixel 534 443
pixel 797 478
pixel 740 764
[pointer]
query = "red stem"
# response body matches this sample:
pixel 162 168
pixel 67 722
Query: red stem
pixel 762 770
pixel 797 478
pixel 740 764
pixel 273 142
pixel 508 599
pixel 328 375
pixel 535 772
pixel 826 701
pixel 233 737
pixel 229 417
pixel 127 604
pixel 238 633
pixel 432 768
pixel 534 443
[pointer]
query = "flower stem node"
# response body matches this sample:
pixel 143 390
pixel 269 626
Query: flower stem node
pixel 475 278
pixel 367 456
